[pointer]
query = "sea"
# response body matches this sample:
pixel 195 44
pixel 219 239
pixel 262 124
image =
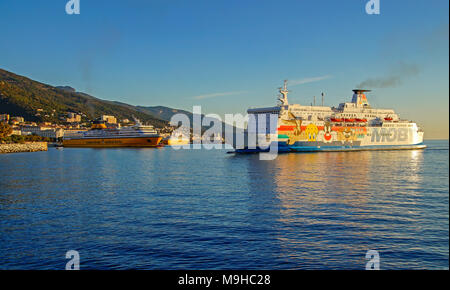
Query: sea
pixel 165 209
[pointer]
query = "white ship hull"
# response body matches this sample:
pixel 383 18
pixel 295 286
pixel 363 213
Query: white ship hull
pixel 376 138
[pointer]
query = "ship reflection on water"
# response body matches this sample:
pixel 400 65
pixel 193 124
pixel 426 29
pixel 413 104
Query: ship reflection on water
pixel 337 206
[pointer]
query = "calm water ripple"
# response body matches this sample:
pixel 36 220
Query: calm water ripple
pixel 180 209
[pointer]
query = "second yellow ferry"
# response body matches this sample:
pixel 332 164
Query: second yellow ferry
pixel 176 140
pixel 138 135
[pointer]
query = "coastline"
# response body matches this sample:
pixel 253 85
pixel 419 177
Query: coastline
pixel 24 147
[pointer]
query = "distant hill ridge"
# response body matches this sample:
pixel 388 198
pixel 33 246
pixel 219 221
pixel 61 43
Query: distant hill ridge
pixel 35 101
pixel 66 88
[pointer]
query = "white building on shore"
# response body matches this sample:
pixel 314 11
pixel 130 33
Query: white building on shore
pixel 43 131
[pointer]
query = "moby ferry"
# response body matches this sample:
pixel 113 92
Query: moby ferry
pixel 351 126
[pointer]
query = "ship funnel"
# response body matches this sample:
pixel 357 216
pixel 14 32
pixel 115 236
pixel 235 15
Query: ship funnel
pixel 359 97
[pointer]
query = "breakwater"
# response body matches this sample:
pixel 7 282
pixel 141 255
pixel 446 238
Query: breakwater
pixel 25 147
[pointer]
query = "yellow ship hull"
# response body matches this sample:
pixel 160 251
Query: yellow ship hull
pixel 176 141
pixel 113 142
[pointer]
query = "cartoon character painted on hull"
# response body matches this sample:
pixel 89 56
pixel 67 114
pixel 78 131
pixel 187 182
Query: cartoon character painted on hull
pixel 295 134
pixel 311 132
pixel 346 135
pixel 327 133
pixel 360 132
pixel 298 125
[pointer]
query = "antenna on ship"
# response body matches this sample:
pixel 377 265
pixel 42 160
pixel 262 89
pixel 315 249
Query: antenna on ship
pixel 322 98
pixel 284 91
pixel 314 100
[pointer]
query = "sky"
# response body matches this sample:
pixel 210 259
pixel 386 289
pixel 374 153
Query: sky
pixel 230 55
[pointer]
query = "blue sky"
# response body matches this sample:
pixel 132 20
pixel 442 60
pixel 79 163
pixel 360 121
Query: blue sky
pixel 230 55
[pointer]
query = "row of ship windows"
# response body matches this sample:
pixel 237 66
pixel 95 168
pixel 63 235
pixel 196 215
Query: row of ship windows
pixel 397 125
pixel 263 113
pixel 355 115
pixel 342 115
pixel 309 110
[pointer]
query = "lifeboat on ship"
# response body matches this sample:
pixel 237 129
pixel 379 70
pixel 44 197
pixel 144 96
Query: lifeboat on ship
pixel 361 120
pixel 388 119
pixel 336 120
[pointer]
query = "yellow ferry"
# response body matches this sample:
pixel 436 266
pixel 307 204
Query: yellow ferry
pixel 100 136
pixel 177 140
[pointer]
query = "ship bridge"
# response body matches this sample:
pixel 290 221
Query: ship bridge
pixel 359 107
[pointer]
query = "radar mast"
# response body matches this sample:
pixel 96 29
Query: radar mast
pixel 284 91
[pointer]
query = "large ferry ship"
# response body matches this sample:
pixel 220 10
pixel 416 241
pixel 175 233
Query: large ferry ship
pixel 137 135
pixel 350 126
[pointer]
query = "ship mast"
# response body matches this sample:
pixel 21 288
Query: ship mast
pixel 284 91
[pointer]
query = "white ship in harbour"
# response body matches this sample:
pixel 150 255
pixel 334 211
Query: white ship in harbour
pixel 350 126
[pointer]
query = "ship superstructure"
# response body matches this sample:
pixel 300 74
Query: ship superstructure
pixel 355 125
pixel 138 135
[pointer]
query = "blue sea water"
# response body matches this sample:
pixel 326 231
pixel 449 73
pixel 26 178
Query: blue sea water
pixel 205 209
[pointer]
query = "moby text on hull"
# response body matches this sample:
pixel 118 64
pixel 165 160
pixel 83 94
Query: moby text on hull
pixel 352 126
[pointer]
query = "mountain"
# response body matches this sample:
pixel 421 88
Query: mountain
pixel 66 88
pixel 166 113
pixel 163 113
pixel 35 101
pixel 158 112
pixel 38 102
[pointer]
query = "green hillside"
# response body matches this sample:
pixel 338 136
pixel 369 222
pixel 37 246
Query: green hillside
pixel 35 101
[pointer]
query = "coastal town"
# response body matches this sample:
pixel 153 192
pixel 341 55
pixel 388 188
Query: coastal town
pixel 20 135
pixel 69 124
